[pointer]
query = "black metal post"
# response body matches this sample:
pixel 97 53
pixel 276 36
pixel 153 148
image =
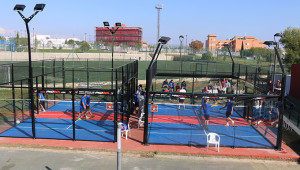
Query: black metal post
pixel 112 62
pixel 13 94
pixel 64 77
pixel 122 95
pixel 22 100
pixel 73 114
pixel 87 74
pixel 146 107
pixel 54 78
pixel 73 78
pixel 30 82
pixel 43 74
pixel 246 80
pixel 281 111
pixel 255 79
pixel 37 95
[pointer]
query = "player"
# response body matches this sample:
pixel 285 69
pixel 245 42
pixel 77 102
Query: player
pixel 82 107
pixel 42 102
pixel 205 106
pixel 181 97
pixel 277 111
pixel 229 111
pixel 88 107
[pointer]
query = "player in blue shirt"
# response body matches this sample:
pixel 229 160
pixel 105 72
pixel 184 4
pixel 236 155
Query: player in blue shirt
pixel 41 102
pixel 88 107
pixel 82 107
pixel 229 111
pixel 206 107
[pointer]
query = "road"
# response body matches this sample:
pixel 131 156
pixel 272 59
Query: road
pixel 25 158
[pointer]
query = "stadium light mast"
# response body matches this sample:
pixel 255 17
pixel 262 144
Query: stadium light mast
pixel 37 9
pixel 158 7
pixel 112 30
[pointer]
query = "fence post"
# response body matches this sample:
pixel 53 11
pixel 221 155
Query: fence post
pixel 73 114
pixel 146 107
pixel 87 73
pixel 116 106
pixel 63 77
pixel 13 93
pixel 281 111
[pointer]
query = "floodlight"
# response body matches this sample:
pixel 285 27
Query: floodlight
pixel 19 7
pixel 106 24
pixel 270 43
pixel 181 37
pixel 39 7
pixel 226 45
pixel 118 24
pixel 278 35
pixel 159 6
pixel 164 40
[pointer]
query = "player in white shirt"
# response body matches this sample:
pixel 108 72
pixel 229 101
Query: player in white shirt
pixel 181 97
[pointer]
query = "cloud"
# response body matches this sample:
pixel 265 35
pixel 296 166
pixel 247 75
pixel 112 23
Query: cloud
pixel 4 31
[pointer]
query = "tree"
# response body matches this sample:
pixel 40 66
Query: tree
pixel 242 50
pixel 291 41
pixel 137 45
pixel 2 38
pixel 207 56
pixel 196 46
pixel 85 46
pixel 17 39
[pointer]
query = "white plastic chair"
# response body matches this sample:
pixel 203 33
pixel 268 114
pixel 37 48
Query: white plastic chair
pixel 141 121
pixel 213 138
pixel 125 130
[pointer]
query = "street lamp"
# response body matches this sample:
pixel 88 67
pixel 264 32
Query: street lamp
pixel 275 60
pixel 37 9
pixel 181 37
pixel 112 31
pixel 228 48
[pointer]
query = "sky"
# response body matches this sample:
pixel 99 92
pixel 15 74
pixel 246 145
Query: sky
pixel 194 19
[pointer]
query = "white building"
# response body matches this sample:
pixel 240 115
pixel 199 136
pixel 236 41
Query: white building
pixel 48 42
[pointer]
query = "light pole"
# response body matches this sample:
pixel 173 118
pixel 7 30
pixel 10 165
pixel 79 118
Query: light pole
pixel 158 7
pixel 112 31
pixel 181 39
pixel 37 9
pixel 275 60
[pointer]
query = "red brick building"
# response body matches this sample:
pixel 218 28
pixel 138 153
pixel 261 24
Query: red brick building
pixel 125 35
pixel 236 42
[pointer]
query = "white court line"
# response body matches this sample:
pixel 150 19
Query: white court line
pixel 71 124
pixel 59 129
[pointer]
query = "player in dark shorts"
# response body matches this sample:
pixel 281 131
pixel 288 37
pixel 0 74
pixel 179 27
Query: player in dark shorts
pixel 229 111
pixel 88 107
pixel 82 107
pixel 206 107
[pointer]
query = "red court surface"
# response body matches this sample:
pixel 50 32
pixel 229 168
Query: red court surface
pixel 134 143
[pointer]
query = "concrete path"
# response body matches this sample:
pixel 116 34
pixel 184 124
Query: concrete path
pixel 26 158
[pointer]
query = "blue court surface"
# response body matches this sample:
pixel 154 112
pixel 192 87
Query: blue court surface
pixel 195 134
pixel 96 130
pixel 56 123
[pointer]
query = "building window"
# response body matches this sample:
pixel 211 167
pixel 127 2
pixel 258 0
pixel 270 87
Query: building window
pixel 247 43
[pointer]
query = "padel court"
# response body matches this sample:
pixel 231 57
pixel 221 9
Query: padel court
pixel 56 123
pixel 169 125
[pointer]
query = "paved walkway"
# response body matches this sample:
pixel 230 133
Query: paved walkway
pixel 21 158
pixel 134 144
